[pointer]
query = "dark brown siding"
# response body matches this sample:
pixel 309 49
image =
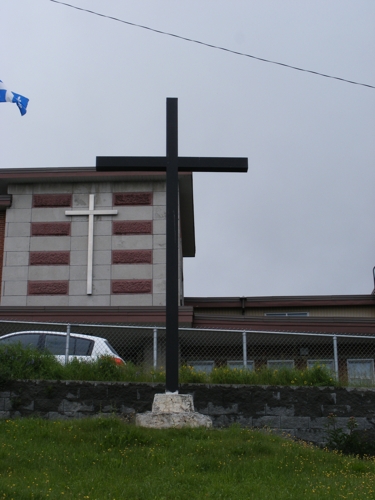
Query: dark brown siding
pixel 2 237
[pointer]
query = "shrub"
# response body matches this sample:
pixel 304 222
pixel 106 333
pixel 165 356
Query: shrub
pixel 350 441
pixel 17 362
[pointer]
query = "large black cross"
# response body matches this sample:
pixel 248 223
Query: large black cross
pixel 172 164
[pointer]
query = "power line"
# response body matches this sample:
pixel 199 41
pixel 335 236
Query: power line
pixel 211 45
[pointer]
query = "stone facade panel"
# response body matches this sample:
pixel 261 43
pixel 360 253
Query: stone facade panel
pixel 160 198
pixel 47 243
pixel 18 229
pixel 18 215
pixel 50 273
pixel 160 227
pixel 17 244
pixel 134 213
pixel 159 271
pixel 102 272
pixel 47 300
pixel 16 259
pixel 102 243
pixel 160 241
pixel 52 187
pixel 130 300
pixel 159 213
pixel 102 227
pixel 89 300
pixel 78 273
pixel 12 300
pixel 15 288
pixel 21 201
pixel 49 215
pixel 102 257
pixel 21 189
pixel 128 271
pixel 132 242
pixel 15 273
pixel 158 299
pixel 159 257
pixel 79 227
pixel 160 285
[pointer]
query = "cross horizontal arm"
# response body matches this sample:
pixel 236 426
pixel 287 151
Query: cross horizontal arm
pixel 159 164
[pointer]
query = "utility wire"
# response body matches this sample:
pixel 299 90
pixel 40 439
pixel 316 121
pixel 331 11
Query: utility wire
pixel 211 46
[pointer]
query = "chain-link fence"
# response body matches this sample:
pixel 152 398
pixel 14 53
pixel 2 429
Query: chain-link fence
pixel 349 357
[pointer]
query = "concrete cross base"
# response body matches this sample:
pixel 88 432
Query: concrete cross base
pixel 172 410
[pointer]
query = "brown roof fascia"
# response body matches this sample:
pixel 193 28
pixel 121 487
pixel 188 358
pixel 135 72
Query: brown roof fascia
pixel 5 201
pixel 363 326
pixel 275 301
pixel 99 315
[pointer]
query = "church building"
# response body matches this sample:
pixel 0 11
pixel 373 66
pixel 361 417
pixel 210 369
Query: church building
pixel 79 245
pixel 75 237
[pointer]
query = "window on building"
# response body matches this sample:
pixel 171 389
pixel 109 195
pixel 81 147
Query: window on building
pixel 202 366
pixel 360 371
pixel 328 363
pixel 238 364
pixel 277 364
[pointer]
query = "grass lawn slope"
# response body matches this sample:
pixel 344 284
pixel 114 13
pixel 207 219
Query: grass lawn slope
pixel 110 459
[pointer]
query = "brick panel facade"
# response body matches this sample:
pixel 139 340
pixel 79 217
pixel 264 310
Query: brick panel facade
pixel 49 258
pixel 131 256
pixel 52 200
pixel 121 227
pixel 131 286
pixel 48 288
pixel 50 229
pixel 142 198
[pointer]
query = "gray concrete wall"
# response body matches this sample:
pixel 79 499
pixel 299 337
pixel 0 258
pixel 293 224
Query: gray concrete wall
pixel 299 411
pixel 19 243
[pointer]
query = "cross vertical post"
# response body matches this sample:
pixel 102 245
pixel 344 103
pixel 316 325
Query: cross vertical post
pixel 172 164
pixel 172 295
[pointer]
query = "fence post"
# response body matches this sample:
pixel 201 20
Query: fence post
pixel 67 343
pixel 155 347
pixel 244 349
pixel 336 357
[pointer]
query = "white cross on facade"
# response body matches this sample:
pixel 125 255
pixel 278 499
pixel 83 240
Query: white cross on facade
pixel 90 247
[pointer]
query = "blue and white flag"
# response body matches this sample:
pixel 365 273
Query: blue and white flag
pixel 8 96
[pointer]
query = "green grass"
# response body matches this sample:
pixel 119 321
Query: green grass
pixel 17 362
pixel 111 459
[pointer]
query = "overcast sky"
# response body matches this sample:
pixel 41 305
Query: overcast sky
pixel 302 220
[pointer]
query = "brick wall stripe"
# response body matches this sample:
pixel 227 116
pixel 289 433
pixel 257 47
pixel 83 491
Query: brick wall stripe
pixel 120 227
pixel 131 256
pixel 48 288
pixel 141 198
pixel 50 229
pixel 52 200
pixel 131 286
pixel 50 258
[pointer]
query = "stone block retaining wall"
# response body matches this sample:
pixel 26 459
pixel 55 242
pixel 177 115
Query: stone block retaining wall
pixel 299 411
